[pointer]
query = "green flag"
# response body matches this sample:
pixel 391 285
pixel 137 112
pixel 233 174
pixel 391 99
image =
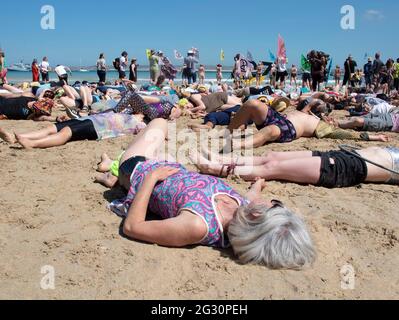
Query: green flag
pixel 305 64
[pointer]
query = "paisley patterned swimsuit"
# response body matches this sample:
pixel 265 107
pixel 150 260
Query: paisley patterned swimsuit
pixel 184 190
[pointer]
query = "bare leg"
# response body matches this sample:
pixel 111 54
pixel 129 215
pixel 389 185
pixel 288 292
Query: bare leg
pixel 301 170
pixel 53 140
pixel 255 161
pixel 148 142
pixel 267 134
pixel 252 110
pixel 12 89
pixel 71 92
pixel 37 135
pixel 68 102
pixel 86 96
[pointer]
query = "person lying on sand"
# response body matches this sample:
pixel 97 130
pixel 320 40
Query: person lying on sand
pixel 275 127
pixel 374 122
pixel 94 127
pixel 332 169
pixel 198 209
pixel 81 100
pixel 212 102
pixel 152 107
pixel 223 118
pixel 27 108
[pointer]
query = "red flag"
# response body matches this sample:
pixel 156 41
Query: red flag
pixel 281 52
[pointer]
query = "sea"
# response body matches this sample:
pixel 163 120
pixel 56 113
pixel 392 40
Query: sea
pixel 91 76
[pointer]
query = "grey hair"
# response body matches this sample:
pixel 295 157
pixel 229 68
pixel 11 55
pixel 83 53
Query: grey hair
pixel 275 237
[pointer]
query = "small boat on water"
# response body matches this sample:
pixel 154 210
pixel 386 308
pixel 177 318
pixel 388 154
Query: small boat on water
pixel 20 67
pixel 83 70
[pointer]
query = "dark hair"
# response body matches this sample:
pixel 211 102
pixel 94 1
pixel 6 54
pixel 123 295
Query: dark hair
pixel 377 55
pixel 49 94
pixel 124 53
pixel 101 56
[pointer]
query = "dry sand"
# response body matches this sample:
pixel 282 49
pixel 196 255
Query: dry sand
pixel 51 213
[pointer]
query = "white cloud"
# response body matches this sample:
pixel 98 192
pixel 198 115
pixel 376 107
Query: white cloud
pixel 374 15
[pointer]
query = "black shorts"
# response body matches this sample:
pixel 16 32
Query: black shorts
pixel 81 129
pixel 281 76
pixel 128 166
pixel 122 74
pixel 306 77
pixel 346 171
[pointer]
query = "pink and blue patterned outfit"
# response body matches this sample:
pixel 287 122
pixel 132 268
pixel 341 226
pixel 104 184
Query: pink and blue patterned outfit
pixel 184 190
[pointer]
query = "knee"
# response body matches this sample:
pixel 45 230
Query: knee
pixel 270 156
pixel 254 105
pixel 358 122
pixel 271 166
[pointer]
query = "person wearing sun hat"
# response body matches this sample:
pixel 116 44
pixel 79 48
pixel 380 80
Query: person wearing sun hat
pixel 280 104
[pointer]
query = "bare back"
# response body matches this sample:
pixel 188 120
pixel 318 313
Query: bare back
pixel 305 124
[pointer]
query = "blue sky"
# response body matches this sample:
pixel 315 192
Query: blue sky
pixel 86 28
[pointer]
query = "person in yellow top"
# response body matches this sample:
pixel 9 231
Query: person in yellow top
pixel 396 74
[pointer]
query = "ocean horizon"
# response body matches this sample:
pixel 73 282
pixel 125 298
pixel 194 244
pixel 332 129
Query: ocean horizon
pixel 112 75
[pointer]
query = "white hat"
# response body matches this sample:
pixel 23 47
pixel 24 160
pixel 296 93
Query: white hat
pixel 190 51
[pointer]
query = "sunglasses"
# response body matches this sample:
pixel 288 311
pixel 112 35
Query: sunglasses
pixel 277 204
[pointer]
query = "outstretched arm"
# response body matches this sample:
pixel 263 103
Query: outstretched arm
pixel 173 232
pixel 259 139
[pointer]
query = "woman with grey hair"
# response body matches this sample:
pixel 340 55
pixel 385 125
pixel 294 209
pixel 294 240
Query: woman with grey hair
pixel 200 209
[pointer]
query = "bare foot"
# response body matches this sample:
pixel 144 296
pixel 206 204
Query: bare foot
pixel 26 143
pixel 106 179
pixel 105 164
pixel 199 127
pixel 205 166
pixel 7 137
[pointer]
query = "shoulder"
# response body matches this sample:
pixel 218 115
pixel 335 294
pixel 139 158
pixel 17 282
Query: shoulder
pixel 197 225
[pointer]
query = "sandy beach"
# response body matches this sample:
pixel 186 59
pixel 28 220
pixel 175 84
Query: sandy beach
pixel 53 214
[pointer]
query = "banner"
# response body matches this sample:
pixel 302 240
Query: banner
pixel 272 56
pixel 329 70
pixel 196 52
pixel 148 53
pixel 246 68
pixel 249 56
pixel 281 51
pixel 305 64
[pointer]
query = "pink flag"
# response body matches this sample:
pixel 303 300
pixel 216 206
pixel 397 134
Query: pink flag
pixel 281 51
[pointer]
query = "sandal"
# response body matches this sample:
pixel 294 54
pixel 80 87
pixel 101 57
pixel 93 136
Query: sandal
pixel 73 114
pixel 229 170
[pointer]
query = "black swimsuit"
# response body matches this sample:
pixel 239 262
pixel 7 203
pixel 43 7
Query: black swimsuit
pixel 16 108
